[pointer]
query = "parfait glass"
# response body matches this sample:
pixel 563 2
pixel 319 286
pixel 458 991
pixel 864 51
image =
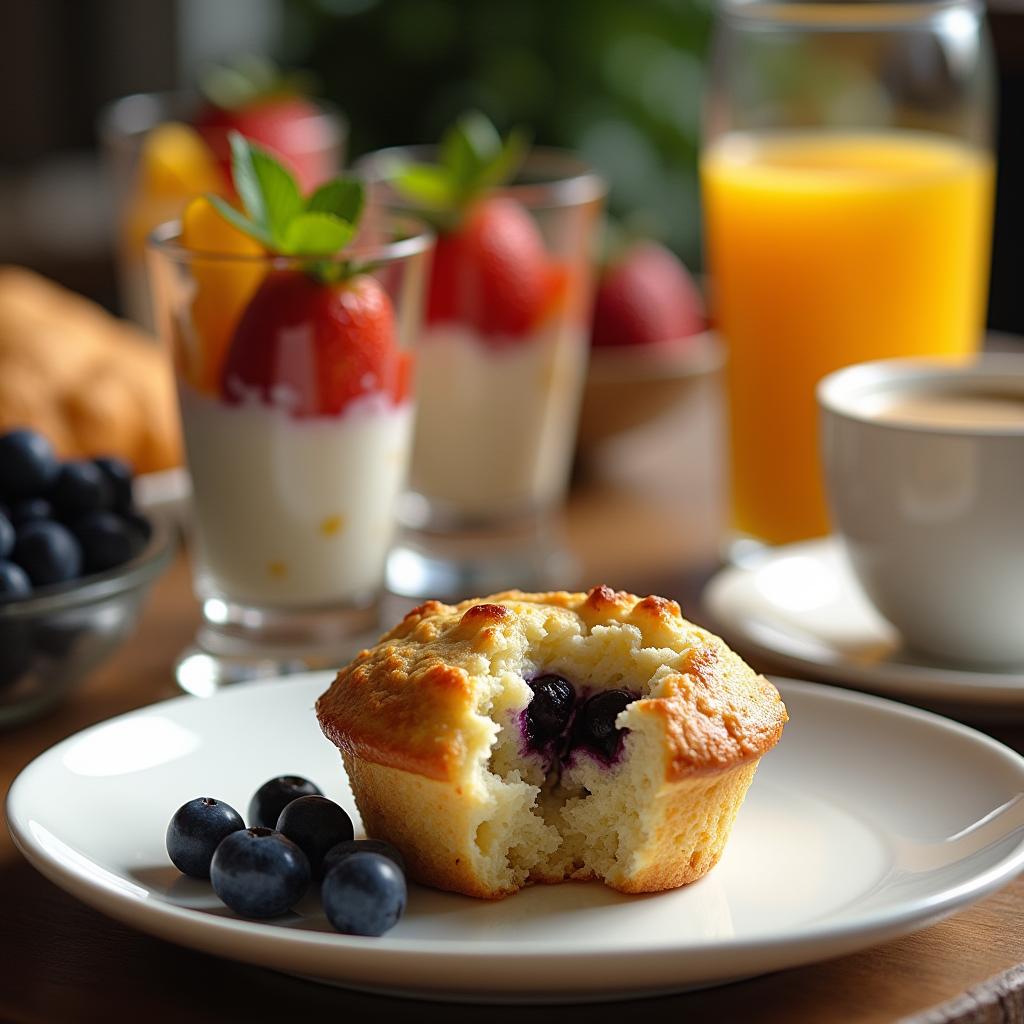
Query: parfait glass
pixel 295 382
pixel 500 371
pixel 847 178
pixel 158 162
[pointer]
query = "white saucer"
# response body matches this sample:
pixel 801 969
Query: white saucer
pixel 841 844
pixel 801 607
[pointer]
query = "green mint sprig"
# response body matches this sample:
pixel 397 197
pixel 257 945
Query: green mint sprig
pixel 472 158
pixel 251 79
pixel 276 215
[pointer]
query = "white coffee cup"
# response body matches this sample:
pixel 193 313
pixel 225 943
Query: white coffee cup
pixel 932 513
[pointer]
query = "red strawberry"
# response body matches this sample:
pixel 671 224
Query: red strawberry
pixel 314 347
pixel 289 126
pixel 645 297
pixel 492 272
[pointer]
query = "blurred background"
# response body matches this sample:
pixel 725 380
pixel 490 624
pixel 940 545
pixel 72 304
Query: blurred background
pixel 618 81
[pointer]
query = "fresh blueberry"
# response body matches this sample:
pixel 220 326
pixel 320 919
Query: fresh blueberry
pixel 15 652
pixel 550 708
pixel 258 872
pixel 597 720
pixel 275 795
pixel 27 509
pixel 336 854
pixel 80 487
pixel 48 552
pixel 315 824
pixel 364 894
pixel 107 540
pixel 119 476
pixel 28 465
pixel 14 583
pixel 6 536
pixel 195 832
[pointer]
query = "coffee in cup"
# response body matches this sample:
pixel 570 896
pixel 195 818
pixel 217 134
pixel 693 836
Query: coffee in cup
pixel 924 468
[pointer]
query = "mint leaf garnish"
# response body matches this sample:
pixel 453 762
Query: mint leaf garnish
pixel 282 202
pixel 472 158
pixel 342 197
pixel 276 215
pixel 250 79
pixel 239 220
pixel 267 189
pixel 245 179
pixel 507 161
pixel 317 234
pixel 469 146
pixel 230 86
pixel 425 184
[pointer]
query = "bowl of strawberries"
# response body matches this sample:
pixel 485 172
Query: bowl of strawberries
pixel 650 343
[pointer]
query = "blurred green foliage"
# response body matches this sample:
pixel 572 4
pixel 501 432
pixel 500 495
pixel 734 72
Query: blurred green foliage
pixel 617 80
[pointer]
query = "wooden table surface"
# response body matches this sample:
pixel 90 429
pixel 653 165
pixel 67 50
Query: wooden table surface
pixel 648 522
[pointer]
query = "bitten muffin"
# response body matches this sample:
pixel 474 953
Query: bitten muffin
pixel 525 738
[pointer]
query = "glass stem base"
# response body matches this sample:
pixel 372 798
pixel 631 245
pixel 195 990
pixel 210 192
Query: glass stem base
pixel 236 643
pixel 741 549
pixel 453 567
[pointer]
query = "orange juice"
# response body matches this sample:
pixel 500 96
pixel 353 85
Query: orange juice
pixel 827 249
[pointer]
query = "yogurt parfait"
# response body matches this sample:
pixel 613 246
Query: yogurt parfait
pixel 502 356
pixel 292 346
pixel 504 348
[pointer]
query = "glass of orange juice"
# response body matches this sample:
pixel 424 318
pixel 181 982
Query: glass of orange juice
pixel 847 182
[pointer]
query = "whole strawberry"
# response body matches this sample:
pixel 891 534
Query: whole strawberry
pixel 318 333
pixel 490 270
pixel 254 98
pixel 347 332
pixel 646 296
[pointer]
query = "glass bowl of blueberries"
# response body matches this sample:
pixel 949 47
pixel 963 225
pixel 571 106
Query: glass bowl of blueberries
pixel 76 561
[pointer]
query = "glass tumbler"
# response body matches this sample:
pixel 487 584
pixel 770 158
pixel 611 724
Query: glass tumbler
pixel 158 162
pixel 501 365
pixel 297 441
pixel 847 183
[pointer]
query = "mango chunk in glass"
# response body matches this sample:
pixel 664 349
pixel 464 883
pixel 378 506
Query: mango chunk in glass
pixel 223 290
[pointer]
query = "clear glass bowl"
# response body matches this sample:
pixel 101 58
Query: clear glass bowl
pixel 52 640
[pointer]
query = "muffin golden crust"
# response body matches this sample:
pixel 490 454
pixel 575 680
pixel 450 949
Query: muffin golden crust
pixel 433 723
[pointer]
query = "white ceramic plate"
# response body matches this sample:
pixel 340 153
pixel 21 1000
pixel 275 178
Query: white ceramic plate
pixel 869 820
pixel 800 606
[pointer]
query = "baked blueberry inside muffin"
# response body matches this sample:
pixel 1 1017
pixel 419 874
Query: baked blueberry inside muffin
pixel 526 738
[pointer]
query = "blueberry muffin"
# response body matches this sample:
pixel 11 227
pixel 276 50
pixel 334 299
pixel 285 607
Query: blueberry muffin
pixel 525 738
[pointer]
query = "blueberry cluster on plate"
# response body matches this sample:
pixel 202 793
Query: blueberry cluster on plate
pixel 61 521
pixel 295 836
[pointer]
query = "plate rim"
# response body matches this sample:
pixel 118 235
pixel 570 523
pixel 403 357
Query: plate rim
pixel 179 924
pixel 888 678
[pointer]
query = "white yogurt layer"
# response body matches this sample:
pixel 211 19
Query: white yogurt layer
pixel 294 512
pixel 497 419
